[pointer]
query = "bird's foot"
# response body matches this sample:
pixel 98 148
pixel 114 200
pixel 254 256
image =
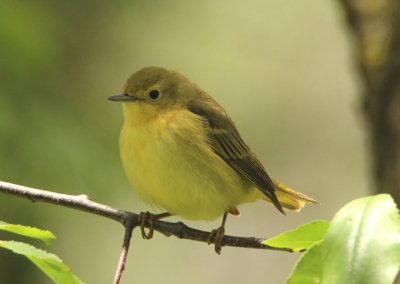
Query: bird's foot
pixel 147 217
pixel 217 235
pixel 143 218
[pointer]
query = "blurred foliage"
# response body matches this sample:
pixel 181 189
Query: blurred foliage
pixel 302 238
pixel 45 236
pixel 362 245
pixel 285 80
pixel 49 263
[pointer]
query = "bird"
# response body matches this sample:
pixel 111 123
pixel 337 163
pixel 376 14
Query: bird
pixel 182 153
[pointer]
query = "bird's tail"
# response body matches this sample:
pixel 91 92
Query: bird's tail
pixel 290 199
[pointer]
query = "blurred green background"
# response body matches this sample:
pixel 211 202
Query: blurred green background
pixel 282 69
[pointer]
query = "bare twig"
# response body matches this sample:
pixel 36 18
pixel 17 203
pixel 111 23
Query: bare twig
pixel 129 220
pixel 129 226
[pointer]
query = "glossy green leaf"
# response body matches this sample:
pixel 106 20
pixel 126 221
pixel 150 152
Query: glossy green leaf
pixel 301 238
pixel 362 245
pixel 49 263
pixel 44 235
pixel 308 268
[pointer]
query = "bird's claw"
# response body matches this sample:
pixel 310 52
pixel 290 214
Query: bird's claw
pixel 217 235
pixel 146 217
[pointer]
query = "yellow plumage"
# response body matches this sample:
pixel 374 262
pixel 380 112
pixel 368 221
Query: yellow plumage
pixel 183 176
pixel 181 151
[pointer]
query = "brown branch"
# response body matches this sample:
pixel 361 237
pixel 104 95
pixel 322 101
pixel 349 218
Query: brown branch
pixel 129 226
pixel 129 220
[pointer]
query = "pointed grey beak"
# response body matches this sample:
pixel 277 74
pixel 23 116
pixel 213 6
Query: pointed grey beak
pixel 123 98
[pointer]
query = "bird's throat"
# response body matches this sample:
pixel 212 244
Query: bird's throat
pixel 138 113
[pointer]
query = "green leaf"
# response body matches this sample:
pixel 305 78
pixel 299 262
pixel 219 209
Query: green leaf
pixel 44 235
pixel 362 245
pixel 308 268
pixel 49 263
pixel 301 238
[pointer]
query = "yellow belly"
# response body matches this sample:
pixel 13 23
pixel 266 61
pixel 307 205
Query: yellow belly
pixel 178 173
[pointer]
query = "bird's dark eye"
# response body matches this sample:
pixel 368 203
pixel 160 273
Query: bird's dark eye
pixel 154 94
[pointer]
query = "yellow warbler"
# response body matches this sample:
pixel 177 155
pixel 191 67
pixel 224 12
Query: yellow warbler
pixel 182 152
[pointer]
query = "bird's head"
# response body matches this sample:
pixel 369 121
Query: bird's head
pixel 155 90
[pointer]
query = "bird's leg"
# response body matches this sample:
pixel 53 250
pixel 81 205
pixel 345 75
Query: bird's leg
pixel 218 235
pixel 149 217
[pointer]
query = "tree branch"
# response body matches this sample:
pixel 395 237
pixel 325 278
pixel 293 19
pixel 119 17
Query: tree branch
pixel 129 220
pixel 375 26
pixel 83 203
pixel 129 226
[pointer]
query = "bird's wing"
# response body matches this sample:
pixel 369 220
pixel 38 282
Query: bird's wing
pixel 228 144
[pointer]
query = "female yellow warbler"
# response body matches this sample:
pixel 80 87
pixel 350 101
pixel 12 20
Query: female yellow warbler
pixel 182 152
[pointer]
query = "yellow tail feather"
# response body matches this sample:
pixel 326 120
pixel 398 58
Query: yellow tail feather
pixel 290 199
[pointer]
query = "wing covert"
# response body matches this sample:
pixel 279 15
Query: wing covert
pixel 228 144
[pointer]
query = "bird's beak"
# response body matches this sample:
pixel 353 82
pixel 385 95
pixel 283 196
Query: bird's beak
pixel 122 98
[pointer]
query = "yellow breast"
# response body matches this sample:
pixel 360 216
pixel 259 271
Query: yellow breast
pixel 170 164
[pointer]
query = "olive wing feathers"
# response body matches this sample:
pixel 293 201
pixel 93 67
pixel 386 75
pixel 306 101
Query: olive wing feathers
pixel 228 144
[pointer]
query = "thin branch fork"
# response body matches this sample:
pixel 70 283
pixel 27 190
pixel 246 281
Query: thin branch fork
pixel 129 220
